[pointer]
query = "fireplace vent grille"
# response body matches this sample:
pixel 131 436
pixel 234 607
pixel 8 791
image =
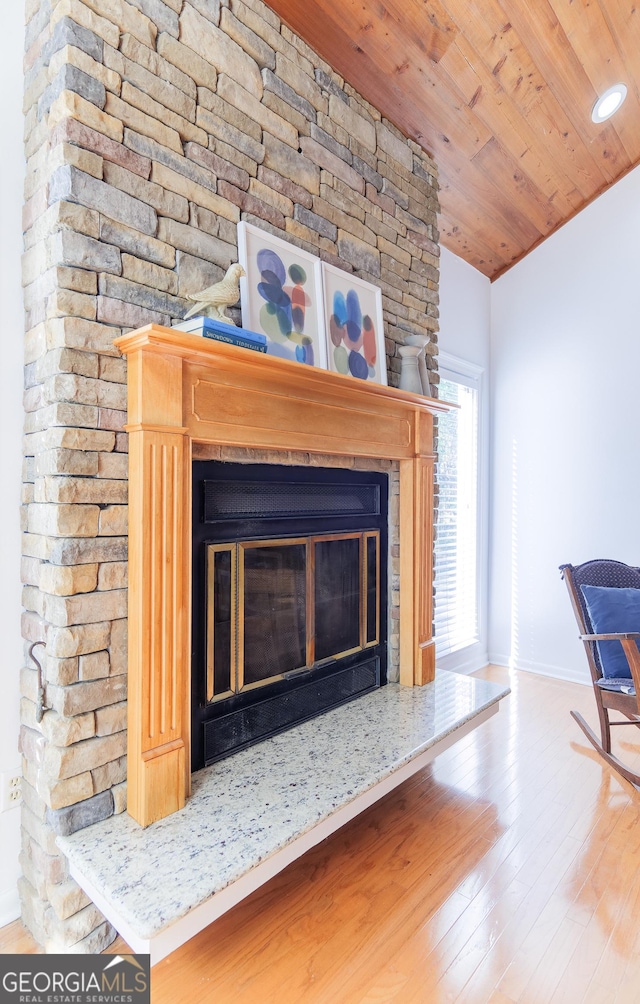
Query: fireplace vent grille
pixel 234 500
pixel 232 732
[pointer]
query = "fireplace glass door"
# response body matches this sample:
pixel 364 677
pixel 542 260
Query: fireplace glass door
pixel 278 608
pixel 272 630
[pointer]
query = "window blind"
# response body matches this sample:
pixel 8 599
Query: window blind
pixel 456 547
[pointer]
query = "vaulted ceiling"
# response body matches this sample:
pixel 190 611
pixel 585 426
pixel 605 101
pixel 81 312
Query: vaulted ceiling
pixel 500 93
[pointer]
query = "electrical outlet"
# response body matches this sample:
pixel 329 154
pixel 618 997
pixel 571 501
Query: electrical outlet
pixel 10 790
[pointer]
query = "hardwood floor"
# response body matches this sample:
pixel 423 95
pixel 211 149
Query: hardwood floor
pixel 508 870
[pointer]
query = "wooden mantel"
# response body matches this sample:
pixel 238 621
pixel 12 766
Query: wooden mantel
pixel 185 389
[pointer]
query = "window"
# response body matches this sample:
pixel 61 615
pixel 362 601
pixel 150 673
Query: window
pixel 457 550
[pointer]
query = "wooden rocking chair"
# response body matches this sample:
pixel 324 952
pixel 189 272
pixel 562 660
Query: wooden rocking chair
pixel 613 691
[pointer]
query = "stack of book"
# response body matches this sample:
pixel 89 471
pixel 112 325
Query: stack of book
pixel 222 332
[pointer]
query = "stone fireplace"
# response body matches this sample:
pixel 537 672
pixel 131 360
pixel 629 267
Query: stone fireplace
pixel 247 816
pixel 151 130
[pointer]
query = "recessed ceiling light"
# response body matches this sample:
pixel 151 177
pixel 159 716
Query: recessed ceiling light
pixel 608 103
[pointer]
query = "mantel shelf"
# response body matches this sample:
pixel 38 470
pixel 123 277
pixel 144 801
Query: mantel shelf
pixel 195 348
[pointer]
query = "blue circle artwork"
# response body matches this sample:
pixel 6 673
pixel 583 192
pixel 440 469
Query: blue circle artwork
pixel 354 316
pixel 339 308
pixel 285 304
pixel 271 290
pixel 304 354
pixel 269 261
pixel 358 366
pixel 353 336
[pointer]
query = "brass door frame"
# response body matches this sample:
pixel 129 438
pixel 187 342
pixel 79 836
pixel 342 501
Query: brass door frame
pixel 365 572
pixel 237 551
pixel 212 550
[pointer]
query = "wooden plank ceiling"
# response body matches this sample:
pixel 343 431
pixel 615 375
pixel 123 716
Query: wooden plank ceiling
pixel 500 93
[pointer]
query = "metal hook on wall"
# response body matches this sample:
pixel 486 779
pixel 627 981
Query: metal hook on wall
pixel 40 705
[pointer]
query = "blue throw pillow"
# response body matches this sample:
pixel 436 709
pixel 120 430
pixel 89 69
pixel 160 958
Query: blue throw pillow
pixel 613 610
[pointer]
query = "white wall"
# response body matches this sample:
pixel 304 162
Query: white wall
pixel 465 310
pixel 465 329
pixel 566 426
pixel 11 336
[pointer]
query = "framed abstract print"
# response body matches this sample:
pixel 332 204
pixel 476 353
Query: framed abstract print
pixel 354 326
pixel 281 296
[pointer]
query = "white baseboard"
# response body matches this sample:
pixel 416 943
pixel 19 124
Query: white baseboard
pixel 9 907
pixel 556 672
pixel 543 669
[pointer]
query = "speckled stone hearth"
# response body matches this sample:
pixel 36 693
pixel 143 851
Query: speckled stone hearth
pixel 254 813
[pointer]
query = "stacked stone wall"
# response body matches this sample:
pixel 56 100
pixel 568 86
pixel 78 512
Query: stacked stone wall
pixel 151 128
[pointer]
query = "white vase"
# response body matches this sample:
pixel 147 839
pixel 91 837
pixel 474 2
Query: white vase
pixel 421 341
pixel 410 374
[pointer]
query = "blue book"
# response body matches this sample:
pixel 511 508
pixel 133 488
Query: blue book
pixel 222 332
pixel 231 339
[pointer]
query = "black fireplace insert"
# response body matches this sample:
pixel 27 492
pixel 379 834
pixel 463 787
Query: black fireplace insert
pixel 289 598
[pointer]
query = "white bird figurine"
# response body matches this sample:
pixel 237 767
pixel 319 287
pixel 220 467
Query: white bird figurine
pixel 212 301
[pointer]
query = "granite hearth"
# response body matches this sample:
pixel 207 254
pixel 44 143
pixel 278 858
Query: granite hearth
pixel 251 815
